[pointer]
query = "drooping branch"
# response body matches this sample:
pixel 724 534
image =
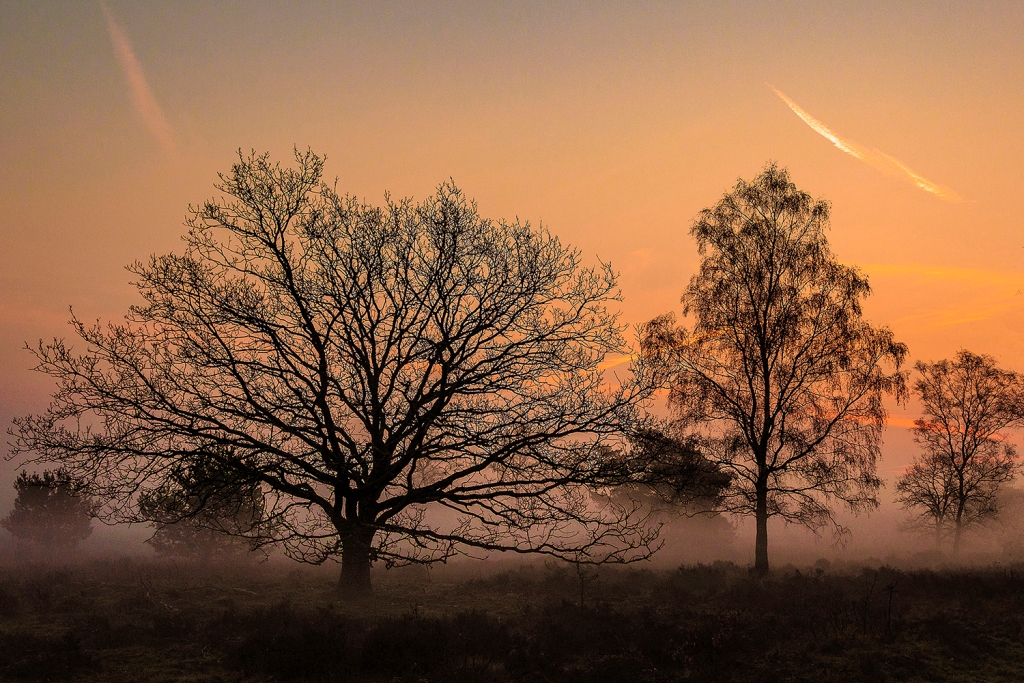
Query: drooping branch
pixel 778 375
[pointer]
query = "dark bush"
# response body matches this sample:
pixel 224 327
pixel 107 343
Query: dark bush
pixel 10 606
pixel 28 657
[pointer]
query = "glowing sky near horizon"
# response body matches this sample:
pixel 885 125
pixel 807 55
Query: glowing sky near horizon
pixel 611 123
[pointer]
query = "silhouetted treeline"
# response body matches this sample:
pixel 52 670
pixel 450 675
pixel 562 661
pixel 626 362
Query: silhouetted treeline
pixel 405 383
pixel 359 365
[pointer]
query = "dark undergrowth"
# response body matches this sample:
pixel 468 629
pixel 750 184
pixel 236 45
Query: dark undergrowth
pixel 132 621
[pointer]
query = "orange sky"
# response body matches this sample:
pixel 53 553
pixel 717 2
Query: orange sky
pixel 610 123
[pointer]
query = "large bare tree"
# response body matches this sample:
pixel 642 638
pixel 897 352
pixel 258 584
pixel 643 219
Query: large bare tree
pixel 968 403
pixel 404 382
pixel 779 375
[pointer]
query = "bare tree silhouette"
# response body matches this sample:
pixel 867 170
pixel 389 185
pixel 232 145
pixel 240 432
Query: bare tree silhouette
pixel 969 403
pixel 367 366
pixel 927 488
pixel 780 376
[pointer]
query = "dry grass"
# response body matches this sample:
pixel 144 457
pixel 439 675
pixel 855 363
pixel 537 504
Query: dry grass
pixel 155 621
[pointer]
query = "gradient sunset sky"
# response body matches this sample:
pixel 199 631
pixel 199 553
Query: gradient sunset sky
pixel 613 124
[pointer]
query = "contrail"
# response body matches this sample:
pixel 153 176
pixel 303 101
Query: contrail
pixel 819 127
pixel 145 102
pixel 879 160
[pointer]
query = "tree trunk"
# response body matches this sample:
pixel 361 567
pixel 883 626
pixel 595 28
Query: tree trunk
pixel 356 558
pixel 961 506
pixel 761 542
pixel 956 537
pixel 958 530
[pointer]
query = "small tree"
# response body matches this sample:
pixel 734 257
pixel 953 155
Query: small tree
pixel 1008 527
pixel 662 467
pixel 49 511
pixel 968 403
pixel 204 509
pixel 404 382
pixel 779 374
pixel 927 488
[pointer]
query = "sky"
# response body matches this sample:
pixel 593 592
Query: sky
pixel 611 123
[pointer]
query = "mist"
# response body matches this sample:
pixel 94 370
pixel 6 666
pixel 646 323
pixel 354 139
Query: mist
pixel 480 341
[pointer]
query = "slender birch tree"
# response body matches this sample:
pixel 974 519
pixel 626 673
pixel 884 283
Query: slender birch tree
pixel 778 373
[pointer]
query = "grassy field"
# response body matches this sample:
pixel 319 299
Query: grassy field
pixel 131 620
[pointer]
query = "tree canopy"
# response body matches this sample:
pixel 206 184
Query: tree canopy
pixel 402 382
pixel 778 375
pixel 204 509
pixel 969 404
pixel 49 511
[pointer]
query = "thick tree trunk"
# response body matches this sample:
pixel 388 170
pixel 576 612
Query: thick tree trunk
pixel 761 542
pixel 356 559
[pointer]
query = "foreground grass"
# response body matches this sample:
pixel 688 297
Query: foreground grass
pixel 135 621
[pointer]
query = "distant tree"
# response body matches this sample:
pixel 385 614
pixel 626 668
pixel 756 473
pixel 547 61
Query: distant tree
pixel 968 403
pixel 364 365
pixel 661 466
pixel 779 375
pixel 927 488
pixel 49 511
pixel 1008 527
pixel 204 509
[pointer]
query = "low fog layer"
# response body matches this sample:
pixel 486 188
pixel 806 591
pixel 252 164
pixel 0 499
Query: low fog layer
pixel 882 537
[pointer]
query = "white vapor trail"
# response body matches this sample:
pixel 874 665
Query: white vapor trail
pixel 145 103
pixel 878 159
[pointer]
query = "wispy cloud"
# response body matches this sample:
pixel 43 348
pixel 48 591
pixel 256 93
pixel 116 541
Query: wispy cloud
pixel 924 272
pixel 895 421
pixel 976 294
pixel 614 362
pixel 145 102
pixel 876 158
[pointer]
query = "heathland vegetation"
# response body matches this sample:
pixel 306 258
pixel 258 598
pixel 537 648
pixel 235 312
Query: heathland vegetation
pixel 142 621
pixel 404 384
